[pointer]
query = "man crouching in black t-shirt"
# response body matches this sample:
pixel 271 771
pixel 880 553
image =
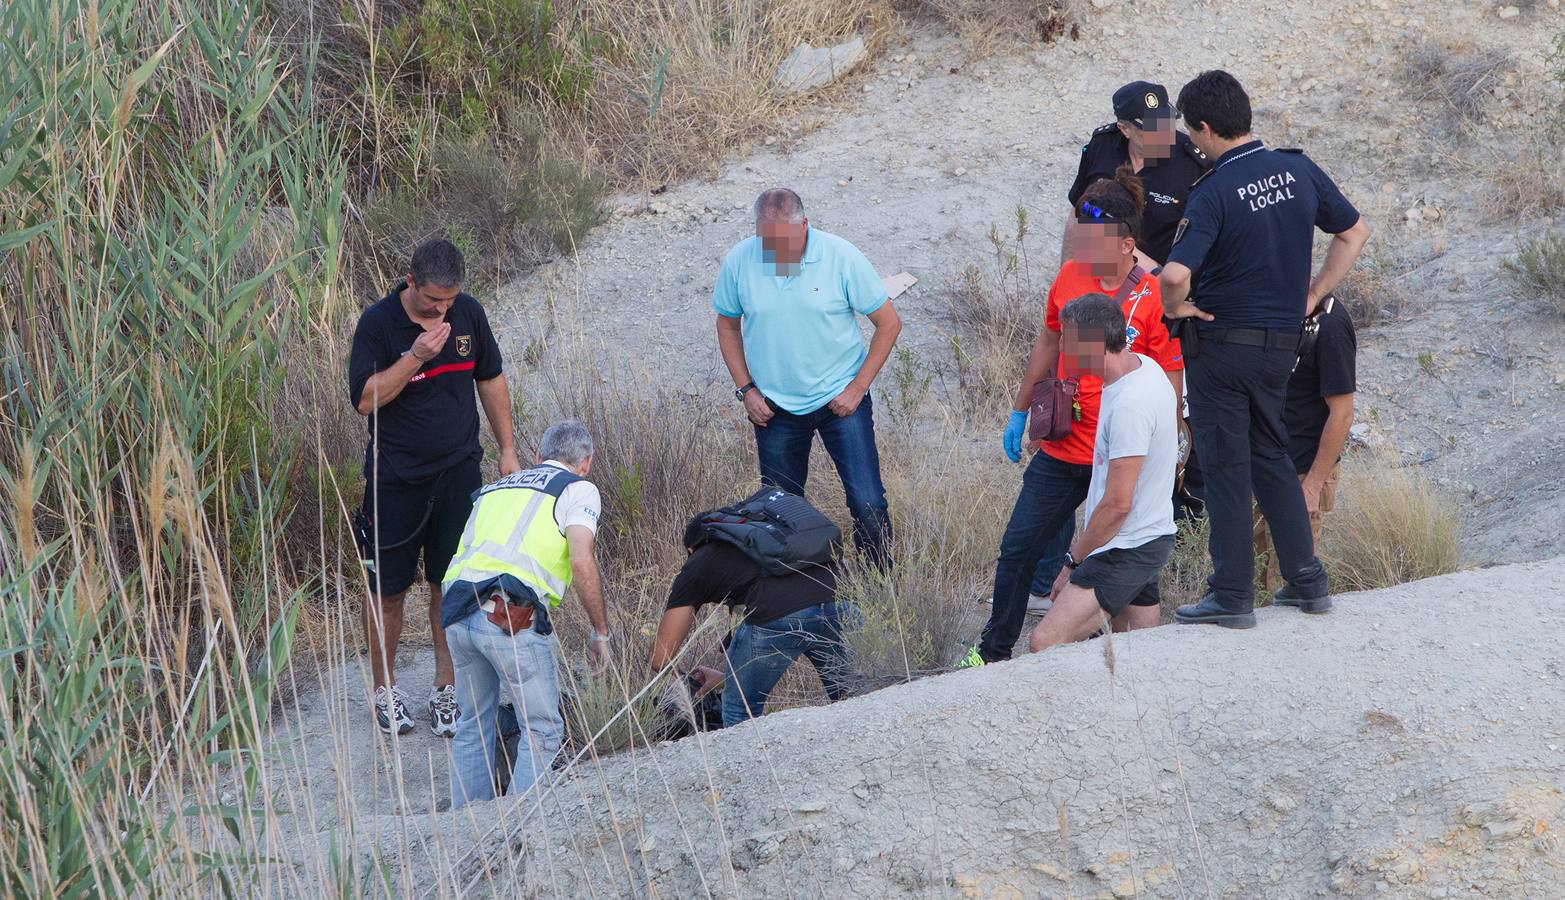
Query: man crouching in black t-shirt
pixel 1318 413
pixel 785 616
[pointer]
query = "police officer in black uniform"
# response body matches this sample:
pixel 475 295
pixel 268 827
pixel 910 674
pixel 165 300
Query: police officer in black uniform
pixel 1165 160
pixel 1246 244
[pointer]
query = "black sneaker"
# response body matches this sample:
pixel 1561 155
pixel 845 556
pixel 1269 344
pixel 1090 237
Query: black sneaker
pixel 1207 611
pixel 443 711
pixel 391 712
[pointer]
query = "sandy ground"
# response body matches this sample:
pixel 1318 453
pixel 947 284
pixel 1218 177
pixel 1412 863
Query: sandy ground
pixel 1411 743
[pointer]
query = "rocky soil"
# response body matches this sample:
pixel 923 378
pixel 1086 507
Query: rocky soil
pixel 1409 744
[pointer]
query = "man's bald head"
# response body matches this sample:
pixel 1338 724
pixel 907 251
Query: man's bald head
pixel 778 205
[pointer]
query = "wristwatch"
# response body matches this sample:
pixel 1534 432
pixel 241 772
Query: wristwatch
pixel 741 391
pixel 1071 562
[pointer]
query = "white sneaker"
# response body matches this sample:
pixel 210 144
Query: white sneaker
pixel 391 711
pixel 1037 604
pixel 443 711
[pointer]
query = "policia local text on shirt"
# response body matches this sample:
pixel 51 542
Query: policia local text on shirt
pixel 1246 244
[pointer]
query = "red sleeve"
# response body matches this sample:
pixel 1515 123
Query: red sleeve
pixel 1051 315
pixel 1163 349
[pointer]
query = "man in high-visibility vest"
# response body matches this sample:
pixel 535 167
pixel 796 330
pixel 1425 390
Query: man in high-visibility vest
pixel 528 538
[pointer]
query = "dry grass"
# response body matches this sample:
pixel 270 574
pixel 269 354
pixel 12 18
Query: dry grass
pixel 1537 271
pixel 997 310
pixel 1391 525
pixel 987 24
pixel 1376 290
pixel 1459 80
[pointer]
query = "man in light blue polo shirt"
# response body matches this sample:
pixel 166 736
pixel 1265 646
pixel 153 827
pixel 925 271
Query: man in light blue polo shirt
pixel 787 301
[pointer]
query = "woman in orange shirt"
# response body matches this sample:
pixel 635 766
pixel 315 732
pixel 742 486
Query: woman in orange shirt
pixel 1102 261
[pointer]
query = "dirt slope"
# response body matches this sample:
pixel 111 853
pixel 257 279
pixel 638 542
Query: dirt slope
pixel 926 149
pixel 1412 743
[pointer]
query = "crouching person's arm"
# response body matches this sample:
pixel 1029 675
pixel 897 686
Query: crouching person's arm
pixel 589 588
pixel 674 627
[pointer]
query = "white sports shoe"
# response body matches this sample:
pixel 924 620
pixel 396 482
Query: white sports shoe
pixel 443 711
pixel 391 711
pixel 1038 604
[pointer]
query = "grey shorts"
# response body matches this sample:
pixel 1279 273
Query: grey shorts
pixel 1125 576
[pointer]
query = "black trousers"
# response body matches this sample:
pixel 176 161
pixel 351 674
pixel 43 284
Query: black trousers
pixel 1236 399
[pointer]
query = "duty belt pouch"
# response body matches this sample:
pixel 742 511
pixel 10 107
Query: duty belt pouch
pixel 1189 338
pixel 1052 411
pixel 364 531
pixel 511 617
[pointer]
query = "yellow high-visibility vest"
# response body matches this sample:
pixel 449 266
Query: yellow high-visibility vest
pixel 512 531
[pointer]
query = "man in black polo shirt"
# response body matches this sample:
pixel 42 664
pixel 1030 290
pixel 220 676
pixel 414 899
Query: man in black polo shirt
pixel 785 617
pixel 1318 414
pixel 1246 245
pixel 418 354
pixel 1164 158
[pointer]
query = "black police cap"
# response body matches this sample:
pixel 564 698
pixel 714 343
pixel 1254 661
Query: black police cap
pixel 1141 101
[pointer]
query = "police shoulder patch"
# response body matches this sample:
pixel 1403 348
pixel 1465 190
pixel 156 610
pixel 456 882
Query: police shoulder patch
pixel 1179 231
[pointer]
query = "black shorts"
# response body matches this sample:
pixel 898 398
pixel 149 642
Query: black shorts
pixel 407 521
pixel 1125 576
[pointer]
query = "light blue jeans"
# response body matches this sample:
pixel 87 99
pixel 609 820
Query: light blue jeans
pixel 490 662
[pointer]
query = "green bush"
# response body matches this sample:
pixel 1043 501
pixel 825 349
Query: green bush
pixel 488 50
pixel 1538 270
pixel 507 204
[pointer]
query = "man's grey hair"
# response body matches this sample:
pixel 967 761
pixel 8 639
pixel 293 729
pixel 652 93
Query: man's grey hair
pixel 1099 314
pixel 566 441
pixel 779 203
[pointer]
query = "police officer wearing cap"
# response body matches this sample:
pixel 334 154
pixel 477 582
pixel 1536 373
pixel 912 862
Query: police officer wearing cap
pixel 1245 246
pixel 1165 160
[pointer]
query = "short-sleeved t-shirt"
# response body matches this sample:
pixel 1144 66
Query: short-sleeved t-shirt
pixel 1328 370
pixel 1138 420
pixel 1167 182
pixel 1249 234
pixel 433 423
pixel 718 572
pixel 1144 333
pixel 801 335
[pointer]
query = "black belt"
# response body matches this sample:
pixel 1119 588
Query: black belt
pixel 1265 338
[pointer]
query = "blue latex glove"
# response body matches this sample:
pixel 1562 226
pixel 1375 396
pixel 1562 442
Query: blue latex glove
pixel 1015 429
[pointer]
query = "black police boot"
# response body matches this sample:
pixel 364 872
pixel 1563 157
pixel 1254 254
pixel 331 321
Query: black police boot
pixel 1309 591
pixel 1207 611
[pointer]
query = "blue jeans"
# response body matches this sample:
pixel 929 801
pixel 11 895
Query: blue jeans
pixel 783 447
pixel 1053 559
pixel 758 655
pixel 490 662
pixel 1051 491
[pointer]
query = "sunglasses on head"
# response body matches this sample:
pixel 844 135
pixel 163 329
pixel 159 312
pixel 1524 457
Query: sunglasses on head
pixel 1097 213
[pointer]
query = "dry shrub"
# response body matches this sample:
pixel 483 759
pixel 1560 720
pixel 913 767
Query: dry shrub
pixel 695 78
pixel 1391 525
pixel 1374 290
pixel 986 23
pixel 997 309
pixel 1538 270
pixel 1525 184
pixel 1459 79
pixel 1183 580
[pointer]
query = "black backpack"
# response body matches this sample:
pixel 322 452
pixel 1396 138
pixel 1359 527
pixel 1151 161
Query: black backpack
pixel 780 531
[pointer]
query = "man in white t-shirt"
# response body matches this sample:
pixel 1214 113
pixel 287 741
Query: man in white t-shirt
pixel 528 539
pixel 1112 568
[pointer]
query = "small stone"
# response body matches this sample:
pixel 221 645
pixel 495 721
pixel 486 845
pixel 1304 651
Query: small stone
pixel 842 182
pixel 771 139
pixel 1509 12
pixel 959 171
pixel 811 806
pixel 1414 215
pixel 1503 831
